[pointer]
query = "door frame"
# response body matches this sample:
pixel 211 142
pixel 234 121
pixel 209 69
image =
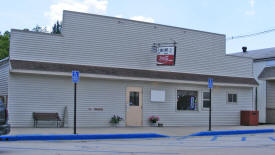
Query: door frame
pixel 126 104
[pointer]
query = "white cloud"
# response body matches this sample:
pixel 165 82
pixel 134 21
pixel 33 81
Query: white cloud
pixel 252 11
pixel 87 6
pixel 144 19
pixel 252 3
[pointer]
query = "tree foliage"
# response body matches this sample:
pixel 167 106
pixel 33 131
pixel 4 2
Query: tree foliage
pixel 57 27
pixel 4 44
pixel 38 28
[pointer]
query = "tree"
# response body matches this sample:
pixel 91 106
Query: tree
pixel 4 45
pixel 57 28
pixel 38 28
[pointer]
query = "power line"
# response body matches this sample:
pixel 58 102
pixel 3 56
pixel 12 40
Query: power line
pixel 250 35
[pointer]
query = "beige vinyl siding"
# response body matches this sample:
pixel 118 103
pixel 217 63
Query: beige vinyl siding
pixel 4 75
pixel 103 41
pixel 35 93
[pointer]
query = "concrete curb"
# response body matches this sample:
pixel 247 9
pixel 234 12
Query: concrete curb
pixel 232 132
pixel 79 137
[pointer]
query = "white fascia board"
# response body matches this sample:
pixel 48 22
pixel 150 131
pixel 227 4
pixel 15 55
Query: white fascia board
pixel 269 78
pixel 100 76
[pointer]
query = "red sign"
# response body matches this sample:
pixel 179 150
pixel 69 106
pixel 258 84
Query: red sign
pixel 166 56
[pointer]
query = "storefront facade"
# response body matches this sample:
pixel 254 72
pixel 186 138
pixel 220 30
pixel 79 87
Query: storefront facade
pixel 127 68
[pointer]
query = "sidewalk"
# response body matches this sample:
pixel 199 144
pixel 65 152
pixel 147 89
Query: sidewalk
pixel 170 131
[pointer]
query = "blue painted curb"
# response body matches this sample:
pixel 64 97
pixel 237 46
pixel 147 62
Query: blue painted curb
pixel 80 137
pixel 232 132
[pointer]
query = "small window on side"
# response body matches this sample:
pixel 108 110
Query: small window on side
pixel 232 98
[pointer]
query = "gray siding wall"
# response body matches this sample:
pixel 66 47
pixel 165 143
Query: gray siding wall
pixel 270 96
pixel 103 41
pixel 261 100
pixel 34 93
pixel 270 102
pixel 4 75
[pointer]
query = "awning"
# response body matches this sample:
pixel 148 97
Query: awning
pixel 123 72
pixel 267 73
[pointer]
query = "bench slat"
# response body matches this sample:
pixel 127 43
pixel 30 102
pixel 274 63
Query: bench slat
pixel 46 116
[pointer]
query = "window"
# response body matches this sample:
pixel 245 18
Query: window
pixel 206 100
pixel 232 98
pixel 134 98
pixel 4 99
pixel 187 100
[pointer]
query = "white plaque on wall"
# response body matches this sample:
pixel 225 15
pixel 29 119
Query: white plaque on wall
pixel 157 95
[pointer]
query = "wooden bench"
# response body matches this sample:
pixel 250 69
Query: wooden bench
pixel 37 116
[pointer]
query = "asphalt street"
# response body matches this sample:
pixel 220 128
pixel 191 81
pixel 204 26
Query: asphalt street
pixel 226 145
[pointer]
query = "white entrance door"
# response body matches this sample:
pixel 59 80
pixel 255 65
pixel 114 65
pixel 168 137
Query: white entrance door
pixel 134 106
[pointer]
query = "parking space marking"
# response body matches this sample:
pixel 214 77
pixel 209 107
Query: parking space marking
pixel 243 138
pixel 77 150
pixel 214 138
pixel 171 145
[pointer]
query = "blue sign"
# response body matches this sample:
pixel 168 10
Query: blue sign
pixel 192 103
pixel 75 76
pixel 210 83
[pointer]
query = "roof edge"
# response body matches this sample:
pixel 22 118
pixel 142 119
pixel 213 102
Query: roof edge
pixel 4 61
pixel 90 14
pixel 86 75
pixel 42 33
pixel 112 71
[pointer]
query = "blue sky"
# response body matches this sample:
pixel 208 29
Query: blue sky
pixel 234 17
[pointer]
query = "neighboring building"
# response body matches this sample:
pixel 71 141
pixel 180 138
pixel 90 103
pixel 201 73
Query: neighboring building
pixel 119 75
pixel 264 73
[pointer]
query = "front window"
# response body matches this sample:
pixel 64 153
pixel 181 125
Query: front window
pixel 232 98
pixel 187 100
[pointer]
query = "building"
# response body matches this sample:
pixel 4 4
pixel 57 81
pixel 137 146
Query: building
pixel 264 73
pixel 128 68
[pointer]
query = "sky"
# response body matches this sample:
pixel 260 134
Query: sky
pixel 229 17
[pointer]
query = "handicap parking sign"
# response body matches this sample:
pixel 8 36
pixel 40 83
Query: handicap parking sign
pixel 210 83
pixel 75 76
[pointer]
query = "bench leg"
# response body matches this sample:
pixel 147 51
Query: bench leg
pixel 35 123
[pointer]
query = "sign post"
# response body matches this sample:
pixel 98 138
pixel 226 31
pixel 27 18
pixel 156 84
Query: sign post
pixel 75 79
pixel 210 86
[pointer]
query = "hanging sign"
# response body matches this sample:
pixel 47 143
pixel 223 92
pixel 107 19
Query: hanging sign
pixel 166 55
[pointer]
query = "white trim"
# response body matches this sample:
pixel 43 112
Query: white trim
pixel 87 75
pixel 269 78
pixel 5 59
